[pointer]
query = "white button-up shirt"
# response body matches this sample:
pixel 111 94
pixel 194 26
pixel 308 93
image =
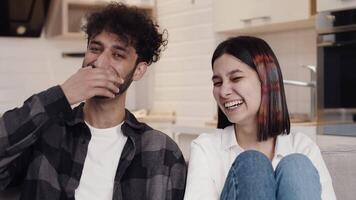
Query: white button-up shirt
pixel 212 155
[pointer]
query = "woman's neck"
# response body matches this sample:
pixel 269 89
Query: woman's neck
pixel 247 138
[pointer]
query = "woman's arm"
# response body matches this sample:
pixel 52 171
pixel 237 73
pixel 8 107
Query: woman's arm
pixel 200 184
pixel 327 190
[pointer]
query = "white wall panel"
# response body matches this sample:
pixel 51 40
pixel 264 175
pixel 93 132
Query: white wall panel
pixel 182 76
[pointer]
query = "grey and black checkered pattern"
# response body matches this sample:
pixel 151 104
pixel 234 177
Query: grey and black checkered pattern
pixel 44 143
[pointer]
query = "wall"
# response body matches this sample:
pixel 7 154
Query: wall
pixel 182 76
pixel 180 81
pixel 30 65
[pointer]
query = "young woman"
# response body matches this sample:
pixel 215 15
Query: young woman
pixel 252 155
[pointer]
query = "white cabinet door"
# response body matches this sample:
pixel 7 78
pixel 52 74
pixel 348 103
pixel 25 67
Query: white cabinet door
pixel 291 10
pixel 231 15
pixel 237 14
pixel 333 5
pixel 227 14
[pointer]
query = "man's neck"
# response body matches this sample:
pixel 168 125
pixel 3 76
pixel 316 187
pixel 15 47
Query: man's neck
pixel 104 113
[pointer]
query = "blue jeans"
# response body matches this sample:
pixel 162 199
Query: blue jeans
pixel 252 177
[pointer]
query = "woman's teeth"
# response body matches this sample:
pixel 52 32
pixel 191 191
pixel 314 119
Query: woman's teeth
pixel 233 104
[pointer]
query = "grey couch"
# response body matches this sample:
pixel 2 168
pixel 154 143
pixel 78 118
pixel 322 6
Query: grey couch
pixel 339 154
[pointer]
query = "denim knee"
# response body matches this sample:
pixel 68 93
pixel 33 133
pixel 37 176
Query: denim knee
pixel 250 177
pixel 295 163
pixel 297 178
pixel 251 158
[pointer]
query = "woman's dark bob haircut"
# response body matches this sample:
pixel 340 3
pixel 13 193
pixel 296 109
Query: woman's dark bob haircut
pixel 272 117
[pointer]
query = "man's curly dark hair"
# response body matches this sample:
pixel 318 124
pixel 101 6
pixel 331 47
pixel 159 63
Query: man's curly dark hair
pixel 133 27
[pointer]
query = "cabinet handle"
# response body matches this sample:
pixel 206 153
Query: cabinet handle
pixel 331 17
pixel 248 20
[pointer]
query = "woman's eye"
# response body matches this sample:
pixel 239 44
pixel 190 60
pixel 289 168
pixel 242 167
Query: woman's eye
pixel 235 79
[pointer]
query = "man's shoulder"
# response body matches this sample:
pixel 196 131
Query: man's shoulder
pixel 152 138
pixel 149 139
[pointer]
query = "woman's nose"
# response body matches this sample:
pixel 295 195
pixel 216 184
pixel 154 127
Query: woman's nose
pixel 225 90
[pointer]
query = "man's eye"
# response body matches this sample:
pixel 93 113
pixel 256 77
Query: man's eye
pixel 118 55
pixel 217 84
pixel 94 49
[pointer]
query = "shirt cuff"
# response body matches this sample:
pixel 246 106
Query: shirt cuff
pixel 55 103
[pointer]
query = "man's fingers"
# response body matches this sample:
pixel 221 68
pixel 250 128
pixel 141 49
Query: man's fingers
pixel 102 92
pixel 105 74
pixel 105 84
pixel 89 82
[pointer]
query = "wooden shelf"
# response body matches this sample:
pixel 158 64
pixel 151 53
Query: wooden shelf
pixel 66 17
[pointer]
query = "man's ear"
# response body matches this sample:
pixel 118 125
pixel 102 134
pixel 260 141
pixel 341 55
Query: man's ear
pixel 140 71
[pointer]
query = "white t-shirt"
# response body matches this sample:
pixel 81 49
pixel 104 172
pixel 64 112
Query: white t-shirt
pixel 101 162
pixel 212 155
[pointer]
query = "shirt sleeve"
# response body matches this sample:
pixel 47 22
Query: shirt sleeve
pixel 177 179
pixel 20 129
pixel 327 190
pixel 200 185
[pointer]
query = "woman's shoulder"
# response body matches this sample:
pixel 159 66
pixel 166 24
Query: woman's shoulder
pixel 301 143
pixel 208 138
pixel 213 138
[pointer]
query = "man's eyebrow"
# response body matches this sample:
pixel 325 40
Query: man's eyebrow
pixel 96 42
pixel 119 47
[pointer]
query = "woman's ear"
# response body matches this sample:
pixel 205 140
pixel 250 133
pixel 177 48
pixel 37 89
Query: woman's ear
pixel 140 71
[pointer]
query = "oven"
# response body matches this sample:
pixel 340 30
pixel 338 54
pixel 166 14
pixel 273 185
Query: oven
pixel 336 61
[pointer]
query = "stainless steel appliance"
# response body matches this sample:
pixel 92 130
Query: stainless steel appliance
pixel 336 76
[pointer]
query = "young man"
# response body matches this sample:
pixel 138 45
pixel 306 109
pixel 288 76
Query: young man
pixel 98 150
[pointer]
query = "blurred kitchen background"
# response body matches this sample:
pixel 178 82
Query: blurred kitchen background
pixel 41 45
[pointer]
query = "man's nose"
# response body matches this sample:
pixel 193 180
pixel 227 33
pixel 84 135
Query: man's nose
pixel 103 60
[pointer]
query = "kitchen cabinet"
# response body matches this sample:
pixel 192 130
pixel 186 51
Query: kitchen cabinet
pixel 333 5
pixel 257 16
pixel 67 16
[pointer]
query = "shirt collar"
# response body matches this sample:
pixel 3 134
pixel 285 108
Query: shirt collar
pixel 228 138
pixel 283 145
pixel 77 116
pixel 283 142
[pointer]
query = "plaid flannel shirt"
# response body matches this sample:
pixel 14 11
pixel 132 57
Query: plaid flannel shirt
pixel 44 143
